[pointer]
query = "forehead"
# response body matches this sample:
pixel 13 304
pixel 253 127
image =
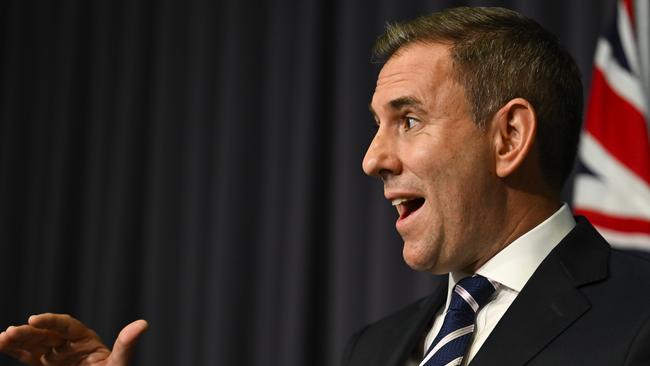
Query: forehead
pixel 417 70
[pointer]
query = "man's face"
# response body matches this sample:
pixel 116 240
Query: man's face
pixel 436 164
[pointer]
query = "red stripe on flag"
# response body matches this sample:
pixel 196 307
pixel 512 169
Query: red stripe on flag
pixel 627 225
pixel 629 6
pixel 618 126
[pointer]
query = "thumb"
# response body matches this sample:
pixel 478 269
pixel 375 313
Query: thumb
pixel 125 342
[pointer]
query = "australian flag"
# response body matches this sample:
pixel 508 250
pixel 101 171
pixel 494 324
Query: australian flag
pixel 612 184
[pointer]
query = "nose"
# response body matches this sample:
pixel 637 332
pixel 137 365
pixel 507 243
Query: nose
pixel 381 158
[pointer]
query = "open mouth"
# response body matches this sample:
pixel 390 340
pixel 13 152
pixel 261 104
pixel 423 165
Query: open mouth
pixel 407 206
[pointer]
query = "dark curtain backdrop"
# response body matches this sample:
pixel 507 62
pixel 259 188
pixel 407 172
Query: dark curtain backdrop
pixel 198 164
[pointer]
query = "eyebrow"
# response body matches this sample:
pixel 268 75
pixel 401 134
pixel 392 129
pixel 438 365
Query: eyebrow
pixel 401 103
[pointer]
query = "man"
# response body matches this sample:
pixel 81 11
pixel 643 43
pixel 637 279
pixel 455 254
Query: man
pixel 478 113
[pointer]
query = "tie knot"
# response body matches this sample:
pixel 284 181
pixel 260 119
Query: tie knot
pixel 471 293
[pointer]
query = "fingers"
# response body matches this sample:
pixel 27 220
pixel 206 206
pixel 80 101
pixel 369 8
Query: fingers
pixel 50 339
pixel 27 343
pixel 63 355
pixel 26 334
pixel 25 357
pixel 69 327
pixel 56 339
pixel 123 347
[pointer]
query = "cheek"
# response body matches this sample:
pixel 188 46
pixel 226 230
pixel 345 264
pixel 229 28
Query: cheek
pixel 427 157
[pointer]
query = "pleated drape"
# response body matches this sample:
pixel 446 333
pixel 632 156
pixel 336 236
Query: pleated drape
pixel 198 164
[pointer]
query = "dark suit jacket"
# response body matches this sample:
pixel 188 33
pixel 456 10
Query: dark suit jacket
pixel 586 304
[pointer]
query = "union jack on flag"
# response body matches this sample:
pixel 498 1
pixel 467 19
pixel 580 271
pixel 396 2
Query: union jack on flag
pixel 612 185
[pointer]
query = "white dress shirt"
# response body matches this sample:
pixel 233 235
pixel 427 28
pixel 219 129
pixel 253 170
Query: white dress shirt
pixel 511 268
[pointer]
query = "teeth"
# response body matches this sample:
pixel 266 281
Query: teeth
pixel 399 201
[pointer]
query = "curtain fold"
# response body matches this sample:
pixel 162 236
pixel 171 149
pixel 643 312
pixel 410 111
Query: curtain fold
pixel 198 164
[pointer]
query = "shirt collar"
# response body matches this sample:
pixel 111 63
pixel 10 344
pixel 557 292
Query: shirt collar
pixel 516 263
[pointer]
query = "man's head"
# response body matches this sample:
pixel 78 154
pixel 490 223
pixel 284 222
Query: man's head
pixel 499 55
pixel 471 106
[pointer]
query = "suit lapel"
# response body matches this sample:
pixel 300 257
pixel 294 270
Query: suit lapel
pixel 413 330
pixel 550 301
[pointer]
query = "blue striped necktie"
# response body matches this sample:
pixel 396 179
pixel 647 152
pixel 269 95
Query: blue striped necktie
pixel 450 345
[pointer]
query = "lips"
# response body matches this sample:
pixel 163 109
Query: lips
pixel 407 206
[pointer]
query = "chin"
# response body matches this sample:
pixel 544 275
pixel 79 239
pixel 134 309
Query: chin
pixel 418 260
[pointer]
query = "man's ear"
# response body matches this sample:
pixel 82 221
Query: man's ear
pixel 513 127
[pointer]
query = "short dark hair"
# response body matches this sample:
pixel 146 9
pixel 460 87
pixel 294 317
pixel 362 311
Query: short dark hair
pixel 499 54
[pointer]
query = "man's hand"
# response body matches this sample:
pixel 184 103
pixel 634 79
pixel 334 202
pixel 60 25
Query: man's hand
pixel 61 340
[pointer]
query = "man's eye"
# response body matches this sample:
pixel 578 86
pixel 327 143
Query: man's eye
pixel 410 122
